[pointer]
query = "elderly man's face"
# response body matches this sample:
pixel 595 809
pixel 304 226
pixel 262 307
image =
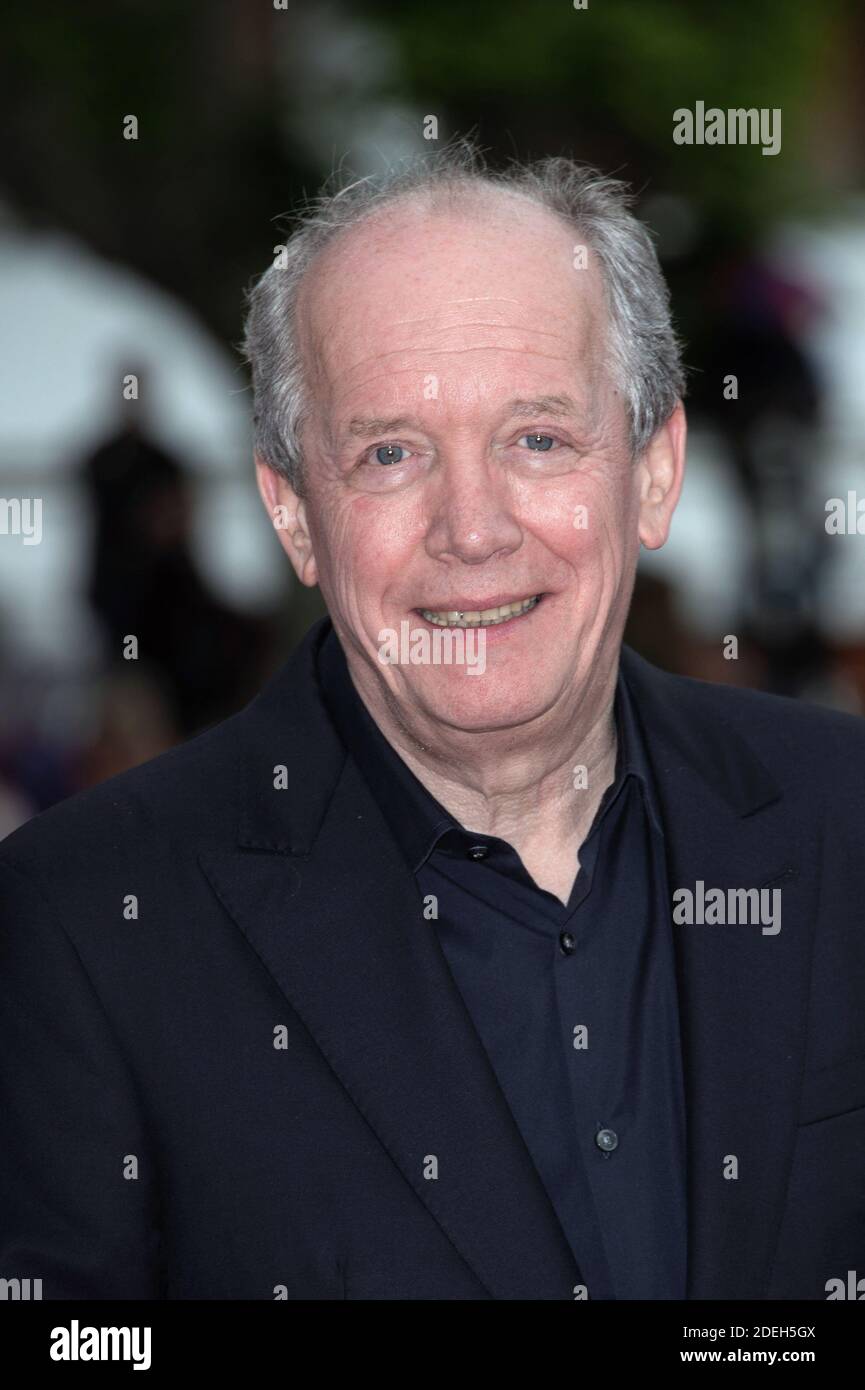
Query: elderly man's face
pixel 467 451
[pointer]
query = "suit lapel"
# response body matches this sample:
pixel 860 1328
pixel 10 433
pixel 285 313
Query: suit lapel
pixel 742 994
pixel 335 915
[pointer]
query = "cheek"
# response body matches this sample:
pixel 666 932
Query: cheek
pixel 383 534
pixel 586 520
pixel 366 543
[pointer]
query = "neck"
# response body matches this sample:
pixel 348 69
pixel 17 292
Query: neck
pixel 538 788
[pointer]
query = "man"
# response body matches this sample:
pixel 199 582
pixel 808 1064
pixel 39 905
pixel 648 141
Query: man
pixel 511 968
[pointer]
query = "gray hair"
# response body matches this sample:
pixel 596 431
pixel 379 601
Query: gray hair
pixel 643 349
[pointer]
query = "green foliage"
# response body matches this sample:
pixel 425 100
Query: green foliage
pixel 611 76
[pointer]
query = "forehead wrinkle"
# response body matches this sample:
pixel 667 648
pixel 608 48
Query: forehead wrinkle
pixel 421 358
pixel 583 320
pixel 577 338
pixel 412 371
pixel 490 299
pixel 472 299
pixel 478 323
pixel 449 352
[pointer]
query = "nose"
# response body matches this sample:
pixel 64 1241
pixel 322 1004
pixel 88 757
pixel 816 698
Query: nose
pixel 472 517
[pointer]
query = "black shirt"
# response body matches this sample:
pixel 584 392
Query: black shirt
pixel 575 1004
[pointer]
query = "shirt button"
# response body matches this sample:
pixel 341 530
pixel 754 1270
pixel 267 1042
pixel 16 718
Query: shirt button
pixel 607 1140
pixel 567 944
pixel 478 852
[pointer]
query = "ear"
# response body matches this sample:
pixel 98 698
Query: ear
pixel 287 512
pixel 662 470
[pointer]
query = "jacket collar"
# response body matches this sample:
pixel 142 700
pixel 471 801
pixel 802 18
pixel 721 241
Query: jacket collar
pixel 289 760
pixel 673 711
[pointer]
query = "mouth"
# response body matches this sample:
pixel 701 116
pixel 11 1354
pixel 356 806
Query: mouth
pixel 480 617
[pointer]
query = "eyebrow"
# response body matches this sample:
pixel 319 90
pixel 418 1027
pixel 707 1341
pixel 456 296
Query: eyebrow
pixel 365 427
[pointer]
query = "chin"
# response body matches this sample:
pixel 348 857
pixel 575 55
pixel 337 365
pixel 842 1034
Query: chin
pixel 482 703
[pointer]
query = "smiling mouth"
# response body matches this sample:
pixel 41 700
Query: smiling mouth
pixel 484 617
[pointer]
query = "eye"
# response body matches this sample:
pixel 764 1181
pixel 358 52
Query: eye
pixel 539 442
pixel 390 453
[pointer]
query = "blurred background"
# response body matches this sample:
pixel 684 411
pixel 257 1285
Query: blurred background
pixel 127 497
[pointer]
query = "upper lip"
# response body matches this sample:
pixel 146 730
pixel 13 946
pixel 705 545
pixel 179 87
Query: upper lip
pixel 474 605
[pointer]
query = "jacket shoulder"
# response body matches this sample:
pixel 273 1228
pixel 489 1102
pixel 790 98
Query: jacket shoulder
pixel 786 733
pixel 180 794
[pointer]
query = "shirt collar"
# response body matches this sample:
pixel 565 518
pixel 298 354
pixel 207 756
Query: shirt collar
pixel 415 818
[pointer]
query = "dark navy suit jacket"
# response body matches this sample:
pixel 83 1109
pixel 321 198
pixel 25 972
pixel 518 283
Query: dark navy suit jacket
pixel 161 932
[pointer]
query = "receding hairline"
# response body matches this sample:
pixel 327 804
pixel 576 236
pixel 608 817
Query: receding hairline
pixel 463 198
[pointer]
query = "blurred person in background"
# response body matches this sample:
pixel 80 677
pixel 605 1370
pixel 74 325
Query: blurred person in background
pixel 203 658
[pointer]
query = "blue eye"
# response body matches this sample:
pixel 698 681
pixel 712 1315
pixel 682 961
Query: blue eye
pixel 390 453
pixel 540 442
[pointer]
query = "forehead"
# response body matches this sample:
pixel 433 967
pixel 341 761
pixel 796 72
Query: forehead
pixel 485 295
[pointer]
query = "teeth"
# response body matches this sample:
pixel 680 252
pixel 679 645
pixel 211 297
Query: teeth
pixel 485 617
